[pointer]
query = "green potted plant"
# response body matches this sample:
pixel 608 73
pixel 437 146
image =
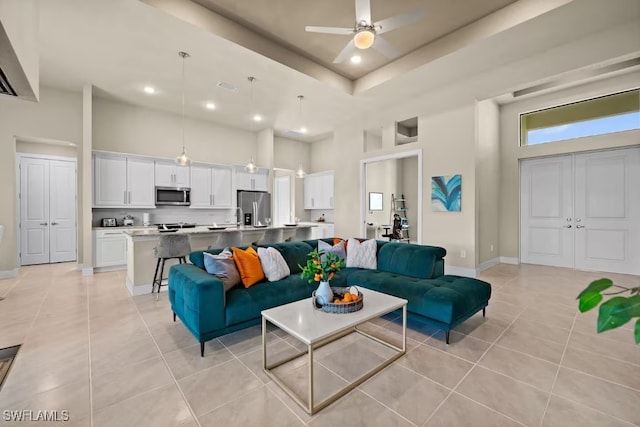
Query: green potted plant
pixel 320 267
pixel 615 311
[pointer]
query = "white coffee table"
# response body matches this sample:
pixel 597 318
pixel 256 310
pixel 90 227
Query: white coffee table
pixel 316 328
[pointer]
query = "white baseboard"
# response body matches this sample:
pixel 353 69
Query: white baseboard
pixel 509 260
pixel 460 271
pixel 488 264
pixel 9 274
pixel 142 289
pixel 111 268
pixel 87 271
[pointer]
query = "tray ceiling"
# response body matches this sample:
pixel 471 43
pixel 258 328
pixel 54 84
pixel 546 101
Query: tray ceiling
pixel 283 22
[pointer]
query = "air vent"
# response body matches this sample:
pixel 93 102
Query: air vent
pixel 5 86
pixel 227 86
pixel 294 134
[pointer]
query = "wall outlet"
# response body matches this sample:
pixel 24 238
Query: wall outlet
pixel 491 247
pixel 463 253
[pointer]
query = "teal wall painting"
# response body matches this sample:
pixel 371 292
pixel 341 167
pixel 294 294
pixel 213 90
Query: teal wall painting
pixel 446 192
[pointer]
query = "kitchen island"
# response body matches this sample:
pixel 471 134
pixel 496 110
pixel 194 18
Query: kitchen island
pixel 141 262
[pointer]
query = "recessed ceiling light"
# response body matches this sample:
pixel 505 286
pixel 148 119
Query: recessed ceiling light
pixel 210 106
pixel 356 59
pixel 303 129
pixel 149 90
pixel 257 118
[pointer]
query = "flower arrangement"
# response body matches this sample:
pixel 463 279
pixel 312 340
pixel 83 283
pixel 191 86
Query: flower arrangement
pixel 321 266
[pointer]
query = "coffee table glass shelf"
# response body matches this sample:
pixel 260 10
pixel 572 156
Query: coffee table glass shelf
pixel 315 328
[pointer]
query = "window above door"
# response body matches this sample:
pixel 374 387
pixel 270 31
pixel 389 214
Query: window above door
pixel 617 112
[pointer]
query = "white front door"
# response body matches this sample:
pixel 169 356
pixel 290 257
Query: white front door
pixel 34 211
pixel 62 211
pixel 582 211
pixel 282 190
pixel 607 210
pixel 546 207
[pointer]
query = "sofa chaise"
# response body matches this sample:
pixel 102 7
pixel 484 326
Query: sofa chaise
pixel 412 272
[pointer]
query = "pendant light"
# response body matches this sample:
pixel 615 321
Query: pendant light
pixel 251 166
pixel 183 159
pixel 300 173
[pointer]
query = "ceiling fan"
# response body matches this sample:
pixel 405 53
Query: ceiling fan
pixel 367 33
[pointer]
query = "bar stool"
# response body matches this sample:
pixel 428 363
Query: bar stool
pixel 271 235
pixel 228 239
pixel 170 246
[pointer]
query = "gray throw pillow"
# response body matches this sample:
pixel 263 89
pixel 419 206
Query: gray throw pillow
pixel 338 249
pixel 223 267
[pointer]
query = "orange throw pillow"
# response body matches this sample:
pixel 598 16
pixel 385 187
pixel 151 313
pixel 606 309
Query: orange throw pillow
pixel 248 265
pixel 337 240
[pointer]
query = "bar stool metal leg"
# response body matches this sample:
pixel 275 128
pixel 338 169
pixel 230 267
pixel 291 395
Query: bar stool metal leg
pixel 160 279
pixel 155 276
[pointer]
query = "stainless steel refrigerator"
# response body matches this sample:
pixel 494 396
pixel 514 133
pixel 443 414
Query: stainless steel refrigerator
pixel 255 203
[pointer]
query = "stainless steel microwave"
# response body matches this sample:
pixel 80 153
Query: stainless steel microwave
pixel 173 196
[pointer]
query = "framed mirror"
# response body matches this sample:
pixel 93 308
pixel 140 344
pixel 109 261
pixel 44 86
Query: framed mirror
pixel 375 201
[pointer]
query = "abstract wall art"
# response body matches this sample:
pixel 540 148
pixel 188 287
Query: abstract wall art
pixel 446 192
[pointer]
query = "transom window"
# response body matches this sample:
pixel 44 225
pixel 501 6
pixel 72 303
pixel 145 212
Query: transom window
pixel 618 112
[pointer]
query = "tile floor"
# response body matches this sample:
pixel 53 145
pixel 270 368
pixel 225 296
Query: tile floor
pixel 113 360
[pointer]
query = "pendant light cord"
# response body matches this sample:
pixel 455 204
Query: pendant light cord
pixel 184 57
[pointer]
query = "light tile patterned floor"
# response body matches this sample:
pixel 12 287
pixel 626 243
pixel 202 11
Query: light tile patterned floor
pixel 114 360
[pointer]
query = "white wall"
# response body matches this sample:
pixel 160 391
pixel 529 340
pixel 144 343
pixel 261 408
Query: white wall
pixel 487 181
pixel 511 152
pixel 58 116
pixel 127 128
pixel 408 172
pixel 290 154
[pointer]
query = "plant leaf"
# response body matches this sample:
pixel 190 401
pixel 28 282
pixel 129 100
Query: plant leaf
pixel 589 301
pixel 596 286
pixel 611 314
pixel 637 331
pixel 631 308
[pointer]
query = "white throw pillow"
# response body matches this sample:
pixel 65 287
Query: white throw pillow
pixel 273 264
pixel 362 255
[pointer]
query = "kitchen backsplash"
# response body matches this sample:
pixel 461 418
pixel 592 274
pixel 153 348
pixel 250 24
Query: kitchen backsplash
pixel 317 213
pixel 168 214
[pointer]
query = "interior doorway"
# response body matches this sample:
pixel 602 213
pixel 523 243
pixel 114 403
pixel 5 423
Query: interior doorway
pixel 392 175
pixel 582 211
pixel 284 197
pixel 47 209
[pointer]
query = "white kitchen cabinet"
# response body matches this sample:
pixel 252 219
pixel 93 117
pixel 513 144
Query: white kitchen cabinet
pixel 140 183
pixel 321 230
pixel 121 181
pixel 318 190
pixel 110 181
pixel 258 181
pixel 168 174
pixel 110 249
pixel 211 187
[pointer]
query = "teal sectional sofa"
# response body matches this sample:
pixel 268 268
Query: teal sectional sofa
pixel 412 272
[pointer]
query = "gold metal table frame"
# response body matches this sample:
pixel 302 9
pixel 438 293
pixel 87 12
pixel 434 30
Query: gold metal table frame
pixel 310 405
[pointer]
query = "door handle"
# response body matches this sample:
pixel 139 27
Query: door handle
pixel 580 226
pixel 125 197
pixel 54 223
pixel 129 197
pixel 213 199
pixel 567 226
pixel 43 223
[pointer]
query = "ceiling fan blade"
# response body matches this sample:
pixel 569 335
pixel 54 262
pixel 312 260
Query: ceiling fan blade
pixel 363 11
pixel 398 21
pixel 348 50
pixel 329 30
pixel 382 46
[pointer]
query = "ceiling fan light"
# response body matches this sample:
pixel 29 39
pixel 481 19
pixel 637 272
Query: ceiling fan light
pixel 364 39
pixel 300 173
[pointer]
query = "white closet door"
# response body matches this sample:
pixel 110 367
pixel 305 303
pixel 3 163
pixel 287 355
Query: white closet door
pixel 546 205
pixel 62 211
pixel 34 211
pixel 607 208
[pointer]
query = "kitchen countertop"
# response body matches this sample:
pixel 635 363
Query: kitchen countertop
pixel 201 229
